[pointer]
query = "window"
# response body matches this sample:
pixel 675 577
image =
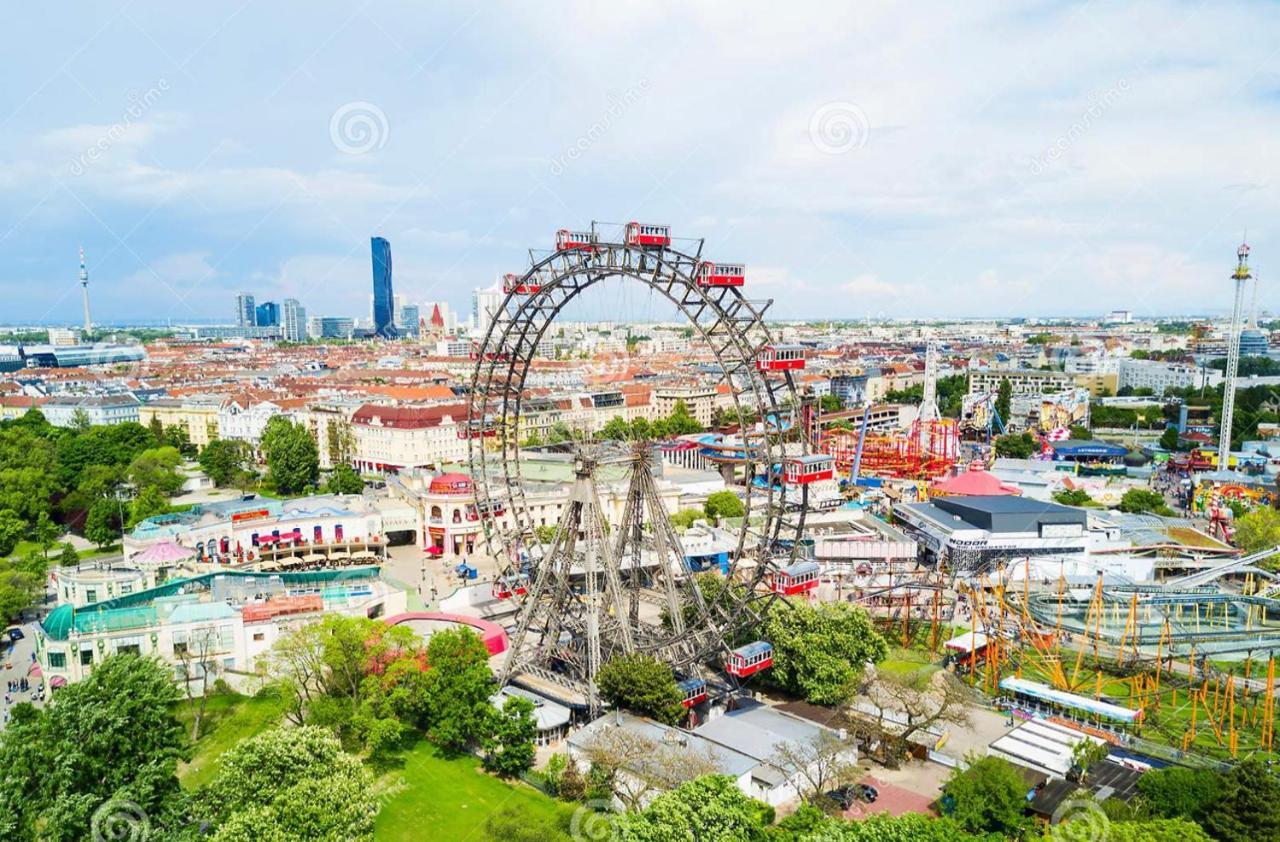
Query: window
pixel 91 595
pixel 57 660
pixel 258 636
pixel 86 657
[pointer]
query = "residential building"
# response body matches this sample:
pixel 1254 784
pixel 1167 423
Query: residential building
pixel 1023 381
pixel 64 336
pixel 1158 375
pixel 244 420
pixel 197 414
pixel 393 438
pixel 63 411
pixel 700 401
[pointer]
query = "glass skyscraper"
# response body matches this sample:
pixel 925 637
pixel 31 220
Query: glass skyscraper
pixel 383 297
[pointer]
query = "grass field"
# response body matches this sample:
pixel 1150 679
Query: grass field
pixel 229 718
pixel 433 797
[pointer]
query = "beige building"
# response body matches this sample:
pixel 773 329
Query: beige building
pixel 197 414
pixel 1024 381
pixel 700 400
pixel 330 426
pixel 393 438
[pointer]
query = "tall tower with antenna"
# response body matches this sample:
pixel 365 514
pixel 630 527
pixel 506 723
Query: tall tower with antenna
pixel 1241 277
pixel 84 292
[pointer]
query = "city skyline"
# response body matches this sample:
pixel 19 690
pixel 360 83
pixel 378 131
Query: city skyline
pixel 1039 151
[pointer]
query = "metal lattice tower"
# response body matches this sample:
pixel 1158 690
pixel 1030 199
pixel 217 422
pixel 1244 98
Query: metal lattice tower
pixel 1241 277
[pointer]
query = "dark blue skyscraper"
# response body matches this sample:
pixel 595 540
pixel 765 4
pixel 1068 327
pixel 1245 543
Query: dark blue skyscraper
pixel 268 314
pixel 384 323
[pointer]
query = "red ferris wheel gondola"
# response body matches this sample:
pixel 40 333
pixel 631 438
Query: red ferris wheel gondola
pixel 721 274
pixel 641 234
pixel 567 240
pixel 517 284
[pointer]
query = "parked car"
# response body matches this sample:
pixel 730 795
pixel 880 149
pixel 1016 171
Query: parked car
pixel 868 793
pixel 844 797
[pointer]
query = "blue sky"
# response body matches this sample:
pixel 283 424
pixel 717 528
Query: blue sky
pixel 951 160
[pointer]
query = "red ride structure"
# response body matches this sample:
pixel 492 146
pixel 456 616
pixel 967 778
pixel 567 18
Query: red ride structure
pixel 721 274
pixel 648 236
pixel 799 578
pixel 567 240
pixel 514 283
pixel 750 659
pixel 780 358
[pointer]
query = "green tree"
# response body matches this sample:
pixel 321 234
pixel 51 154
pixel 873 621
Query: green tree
pixel 1072 497
pixel 1249 804
pixel 293 462
pixel 290 783
pixel 12 528
pixel 509 745
pixel 685 518
pixel 226 460
pixel 819 651
pixel 511 824
pixel 809 824
pixel 149 503
pixel 1137 500
pixel 545 533
pixel 1085 829
pixel 830 403
pixel 45 532
pixel 708 809
pixel 1016 445
pixel 1179 792
pixel 723 504
pixel 1004 400
pixel 643 685
pixel 20 588
pixel 344 480
pixel 115 739
pixel 680 422
pixel 68 557
pixel 157 468
pixel 102 525
pixel 1258 530
pixel 988 797
pixel 1169 439
pixel 458 688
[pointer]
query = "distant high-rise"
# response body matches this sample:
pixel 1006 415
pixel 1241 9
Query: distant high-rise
pixel 84 291
pixel 484 303
pixel 383 296
pixel 267 314
pixel 293 320
pixel 407 319
pixel 246 313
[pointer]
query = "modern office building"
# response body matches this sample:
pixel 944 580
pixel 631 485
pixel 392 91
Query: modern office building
pixel 330 327
pixel 383 295
pixel 246 313
pixel 407 319
pixel 267 314
pixel 293 320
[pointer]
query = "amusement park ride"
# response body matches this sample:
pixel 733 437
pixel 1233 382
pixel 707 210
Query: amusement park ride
pixel 600 589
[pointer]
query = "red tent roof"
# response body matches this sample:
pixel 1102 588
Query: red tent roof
pixel 974 482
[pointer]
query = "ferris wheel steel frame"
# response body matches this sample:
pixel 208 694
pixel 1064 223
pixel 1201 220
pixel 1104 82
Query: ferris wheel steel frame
pixel 733 328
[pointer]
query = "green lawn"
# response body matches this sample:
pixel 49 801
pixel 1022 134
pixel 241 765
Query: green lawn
pixel 431 797
pixel 907 662
pixel 228 719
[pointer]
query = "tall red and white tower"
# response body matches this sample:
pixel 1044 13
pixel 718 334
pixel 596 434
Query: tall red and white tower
pixel 1241 277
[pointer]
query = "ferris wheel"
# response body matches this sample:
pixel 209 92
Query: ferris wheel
pixel 615 579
